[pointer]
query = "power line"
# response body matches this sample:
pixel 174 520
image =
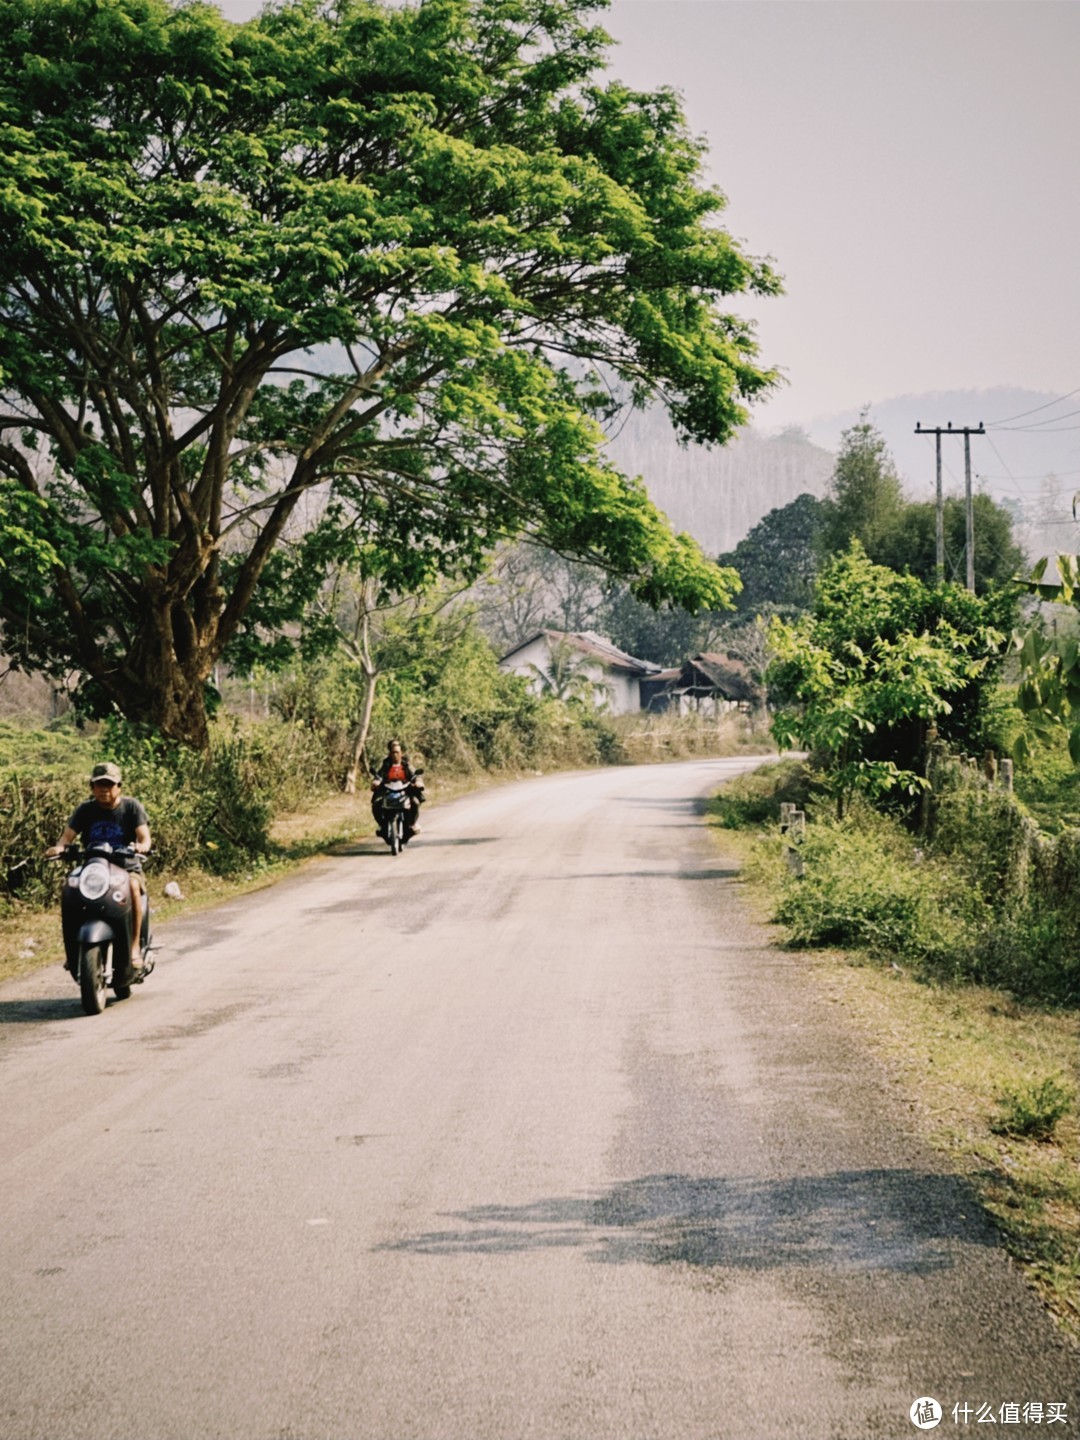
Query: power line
pixel 1023 413
pixel 1052 420
pixel 1034 429
pixel 1043 475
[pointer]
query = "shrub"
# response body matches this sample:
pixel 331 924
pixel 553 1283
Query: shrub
pixel 1032 1111
pixel 863 885
pixel 752 800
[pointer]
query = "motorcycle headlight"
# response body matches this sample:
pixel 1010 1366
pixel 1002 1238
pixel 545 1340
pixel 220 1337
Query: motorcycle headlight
pixel 94 881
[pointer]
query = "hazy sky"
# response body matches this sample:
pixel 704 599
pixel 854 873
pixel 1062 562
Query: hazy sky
pixel 911 166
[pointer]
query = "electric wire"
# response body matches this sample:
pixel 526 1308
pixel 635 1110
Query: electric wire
pixel 1008 419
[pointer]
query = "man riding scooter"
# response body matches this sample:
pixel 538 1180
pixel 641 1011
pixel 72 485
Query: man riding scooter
pixel 110 818
pixel 396 766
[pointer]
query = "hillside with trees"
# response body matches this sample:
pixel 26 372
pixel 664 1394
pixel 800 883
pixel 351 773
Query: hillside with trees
pixel 718 495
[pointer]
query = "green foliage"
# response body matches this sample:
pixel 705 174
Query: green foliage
pixel 441 691
pixel 398 257
pixel 1048 783
pixel 753 800
pixel 985 899
pixel 1049 693
pixel 862 887
pixel 878 659
pixel 910 542
pixel 1032 1111
pixel 666 636
pixel 866 503
pixel 458 710
pixel 210 809
pixel 779 559
pixel 865 496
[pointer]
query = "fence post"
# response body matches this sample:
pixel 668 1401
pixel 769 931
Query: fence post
pixel 793 825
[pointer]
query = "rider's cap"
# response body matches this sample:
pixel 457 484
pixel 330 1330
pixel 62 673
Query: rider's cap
pixel 108 771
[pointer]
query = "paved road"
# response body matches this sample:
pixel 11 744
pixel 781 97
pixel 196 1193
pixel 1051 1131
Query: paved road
pixel 527 1133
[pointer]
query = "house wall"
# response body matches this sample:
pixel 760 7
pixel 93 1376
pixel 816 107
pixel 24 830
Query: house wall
pixel 615 690
pixel 624 692
pixel 522 661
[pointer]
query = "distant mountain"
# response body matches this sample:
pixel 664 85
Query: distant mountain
pixel 1029 460
pixel 1034 444
pixel 719 495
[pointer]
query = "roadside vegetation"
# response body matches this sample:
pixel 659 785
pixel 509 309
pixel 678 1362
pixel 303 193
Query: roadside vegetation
pixel 272 787
pixel 925 856
pixel 957 955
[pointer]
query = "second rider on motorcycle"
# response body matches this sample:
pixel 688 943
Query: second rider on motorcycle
pixel 395 766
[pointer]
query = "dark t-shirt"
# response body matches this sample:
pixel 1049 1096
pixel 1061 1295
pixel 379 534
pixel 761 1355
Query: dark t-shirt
pixel 97 825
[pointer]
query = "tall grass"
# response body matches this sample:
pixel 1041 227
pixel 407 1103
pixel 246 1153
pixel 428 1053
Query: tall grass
pixel 985 897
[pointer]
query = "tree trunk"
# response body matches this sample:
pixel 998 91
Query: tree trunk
pixel 163 680
pixel 177 708
pixel 360 737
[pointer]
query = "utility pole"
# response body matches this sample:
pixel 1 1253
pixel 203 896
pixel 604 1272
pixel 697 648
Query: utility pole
pixel 969 503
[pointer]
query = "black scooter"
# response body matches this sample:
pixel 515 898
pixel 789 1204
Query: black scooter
pixel 97 919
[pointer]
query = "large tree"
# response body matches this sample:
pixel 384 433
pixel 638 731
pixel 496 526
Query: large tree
pixel 778 560
pixel 910 542
pixel 865 496
pixel 395 259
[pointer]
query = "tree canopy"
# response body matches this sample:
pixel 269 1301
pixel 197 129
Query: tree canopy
pixel 877 659
pixel 778 560
pixel 866 502
pixel 910 543
pixel 363 276
pixel 865 496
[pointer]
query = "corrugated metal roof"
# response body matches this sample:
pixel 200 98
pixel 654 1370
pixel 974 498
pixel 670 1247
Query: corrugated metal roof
pixel 589 643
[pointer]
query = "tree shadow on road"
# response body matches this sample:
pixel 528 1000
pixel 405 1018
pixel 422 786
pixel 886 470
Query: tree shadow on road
pixel 706 874
pixel 851 1221
pixel 375 846
pixel 34 1012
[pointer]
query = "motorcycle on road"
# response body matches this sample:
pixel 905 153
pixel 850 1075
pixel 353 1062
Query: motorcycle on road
pixel 397 811
pixel 97 919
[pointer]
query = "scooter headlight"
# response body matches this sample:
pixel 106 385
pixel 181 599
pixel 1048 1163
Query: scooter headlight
pixel 94 881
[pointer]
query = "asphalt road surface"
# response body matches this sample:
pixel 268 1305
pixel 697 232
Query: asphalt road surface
pixel 528 1132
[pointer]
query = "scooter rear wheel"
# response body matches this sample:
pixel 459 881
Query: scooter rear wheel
pixel 92 978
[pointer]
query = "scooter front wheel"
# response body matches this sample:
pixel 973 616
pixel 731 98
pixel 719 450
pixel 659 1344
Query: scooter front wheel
pixel 92 978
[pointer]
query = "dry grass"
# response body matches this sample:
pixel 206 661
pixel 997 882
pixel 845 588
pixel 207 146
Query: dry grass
pixel 958 1053
pixel 961 1053
pixel 654 738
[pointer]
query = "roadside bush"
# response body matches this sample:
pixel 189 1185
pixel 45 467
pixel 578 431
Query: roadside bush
pixel 863 885
pixel 984 833
pixel 753 800
pixel 1029 952
pixel 991 902
pixel 1032 1111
